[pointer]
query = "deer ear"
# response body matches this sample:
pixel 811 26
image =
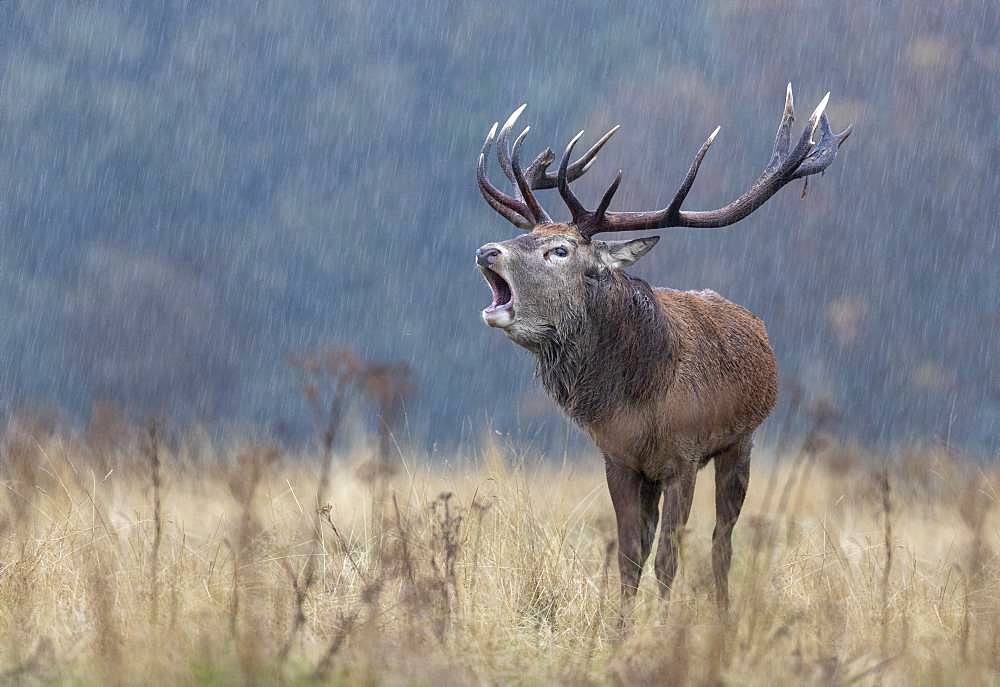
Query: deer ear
pixel 620 254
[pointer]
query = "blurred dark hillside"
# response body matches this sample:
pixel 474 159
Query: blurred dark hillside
pixel 190 192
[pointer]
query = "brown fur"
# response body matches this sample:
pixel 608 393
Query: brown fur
pixel 715 383
pixel 662 380
pixel 718 382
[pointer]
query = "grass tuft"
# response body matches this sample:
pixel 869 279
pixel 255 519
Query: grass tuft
pixel 144 561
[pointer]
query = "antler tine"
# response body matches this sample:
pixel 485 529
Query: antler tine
pixel 824 152
pixel 807 158
pixel 535 173
pixel 842 136
pixel 513 217
pixel 784 131
pixel 681 195
pixel 537 213
pixel 512 209
pixel 535 170
pixel 503 144
pixel 584 219
pixel 539 178
pixel 572 202
pixel 578 168
pixel 602 207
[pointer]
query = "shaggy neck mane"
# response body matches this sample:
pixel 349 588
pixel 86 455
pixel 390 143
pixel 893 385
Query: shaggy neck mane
pixel 609 355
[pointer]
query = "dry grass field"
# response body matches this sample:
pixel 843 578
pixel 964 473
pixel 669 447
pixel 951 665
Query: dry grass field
pixel 138 561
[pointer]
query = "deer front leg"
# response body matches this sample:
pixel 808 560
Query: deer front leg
pixel 635 499
pixel 678 493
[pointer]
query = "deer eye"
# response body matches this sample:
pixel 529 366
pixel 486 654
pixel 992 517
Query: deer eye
pixel 559 252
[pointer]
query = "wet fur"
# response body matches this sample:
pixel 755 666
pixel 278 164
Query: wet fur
pixel 615 352
pixel 664 381
pixel 658 376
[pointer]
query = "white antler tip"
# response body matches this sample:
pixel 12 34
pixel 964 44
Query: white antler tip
pixel 819 109
pixel 711 137
pixel 814 120
pixel 789 98
pixel 493 130
pixel 518 141
pixel 513 117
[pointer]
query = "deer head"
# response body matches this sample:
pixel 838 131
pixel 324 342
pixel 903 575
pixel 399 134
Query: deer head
pixel 542 280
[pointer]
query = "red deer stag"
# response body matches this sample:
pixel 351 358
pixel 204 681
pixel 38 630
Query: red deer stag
pixel 663 381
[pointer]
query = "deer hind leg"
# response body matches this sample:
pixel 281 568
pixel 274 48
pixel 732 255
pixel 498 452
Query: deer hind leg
pixel 678 493
pixel 635 499
pixel 732 474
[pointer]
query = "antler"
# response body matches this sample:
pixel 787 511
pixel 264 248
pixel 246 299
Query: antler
pixel 805 159
pixel 522 209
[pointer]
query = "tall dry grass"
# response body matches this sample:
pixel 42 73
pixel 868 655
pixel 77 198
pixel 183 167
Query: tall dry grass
pixel 133 558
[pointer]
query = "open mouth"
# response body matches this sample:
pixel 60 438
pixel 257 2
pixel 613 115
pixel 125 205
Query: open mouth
pixel 500 312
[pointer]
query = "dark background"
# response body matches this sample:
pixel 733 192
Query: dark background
pixel 190 192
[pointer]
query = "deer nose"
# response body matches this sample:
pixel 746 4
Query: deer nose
pixel 487 255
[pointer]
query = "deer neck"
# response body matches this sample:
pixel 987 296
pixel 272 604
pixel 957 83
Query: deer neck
pixel 616 351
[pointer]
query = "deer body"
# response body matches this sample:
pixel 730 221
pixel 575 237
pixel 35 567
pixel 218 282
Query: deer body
pixel 663 381
pixel 714 383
